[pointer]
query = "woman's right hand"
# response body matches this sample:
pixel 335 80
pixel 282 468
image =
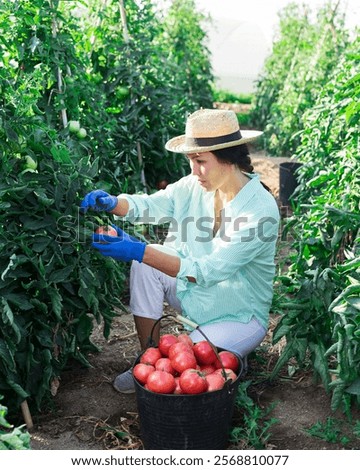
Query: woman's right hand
pixel 98 200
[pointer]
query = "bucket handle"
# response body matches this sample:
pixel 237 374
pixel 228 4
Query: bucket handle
pixel 195 326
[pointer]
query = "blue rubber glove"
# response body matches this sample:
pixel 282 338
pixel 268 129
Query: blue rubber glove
pixel 122 248
pixel 98 200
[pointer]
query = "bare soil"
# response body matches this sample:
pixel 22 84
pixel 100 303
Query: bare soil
pixel 87 413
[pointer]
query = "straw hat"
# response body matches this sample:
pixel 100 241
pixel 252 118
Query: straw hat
pixel 210 129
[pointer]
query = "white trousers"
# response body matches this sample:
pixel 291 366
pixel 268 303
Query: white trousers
pixel 149 288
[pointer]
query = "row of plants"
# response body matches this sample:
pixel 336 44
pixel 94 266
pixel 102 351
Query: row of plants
pixel 307 47
pixel 88 98
pixel 318 295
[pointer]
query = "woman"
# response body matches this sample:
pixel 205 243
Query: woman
pixel 216 266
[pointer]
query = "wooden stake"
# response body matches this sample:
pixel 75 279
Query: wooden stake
pixel 124 22
pixel 27 415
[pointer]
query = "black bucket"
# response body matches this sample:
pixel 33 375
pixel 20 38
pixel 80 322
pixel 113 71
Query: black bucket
pixel 187 421
pixel 288 181
pixel 193 422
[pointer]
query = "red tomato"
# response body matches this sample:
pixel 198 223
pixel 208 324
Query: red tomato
pixel 165 342
pixel 161 382
pixel 204 353
pixel 182 361
pixel 214 381
pixel 228 361
pixel 150 356
pixel 161 184
pixel 184 338
pixel 179 347
pixel 141 372
pixel 209 369
pixel 164 363
pixel 230 374
pixel 107 230
pixel 193 382
pixel 177 390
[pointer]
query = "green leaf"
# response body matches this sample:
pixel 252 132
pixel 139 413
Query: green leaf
pixel 60 154
pixel 40 243
pixel 320 362
pixel 61 275
pixel 281 331
pixel 31 223
pixel 20 300
pixel 7 356
pixel 354 388
pixel 8 318
pixel 56 302
pixel 354 301
pixel 287 353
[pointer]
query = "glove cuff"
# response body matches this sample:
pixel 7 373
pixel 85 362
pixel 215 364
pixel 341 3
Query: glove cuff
pixel 112 203
pixel 138 250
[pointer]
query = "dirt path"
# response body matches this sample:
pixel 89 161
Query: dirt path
pixel 89 414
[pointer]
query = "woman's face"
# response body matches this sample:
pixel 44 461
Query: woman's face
pixel 211 173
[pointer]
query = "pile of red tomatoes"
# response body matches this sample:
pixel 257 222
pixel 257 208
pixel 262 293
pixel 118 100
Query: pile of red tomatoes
pixel 178 366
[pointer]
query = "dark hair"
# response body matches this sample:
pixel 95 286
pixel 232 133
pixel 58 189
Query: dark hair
pixel 239 156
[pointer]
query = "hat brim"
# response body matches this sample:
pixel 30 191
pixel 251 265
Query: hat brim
pixel 178 145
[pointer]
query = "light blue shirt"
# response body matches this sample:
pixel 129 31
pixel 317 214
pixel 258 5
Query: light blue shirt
pixel 234 269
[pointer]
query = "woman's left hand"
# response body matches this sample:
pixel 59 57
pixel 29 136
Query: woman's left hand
pixel 122 248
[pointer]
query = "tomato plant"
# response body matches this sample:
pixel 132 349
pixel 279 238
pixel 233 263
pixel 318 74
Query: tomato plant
pixel 320 289
pixel 67 126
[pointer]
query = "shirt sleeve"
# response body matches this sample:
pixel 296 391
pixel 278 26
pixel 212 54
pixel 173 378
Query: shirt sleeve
pixel 252 240
pixel 157 208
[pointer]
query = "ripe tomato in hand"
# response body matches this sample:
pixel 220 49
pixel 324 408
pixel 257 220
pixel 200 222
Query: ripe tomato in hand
pixel 193 382
pixel 161 184
pixel 150 356
pixel 106 230
pixel 141 372
pixel 183 360
pixel 204 353
pixel 161 382
pixel 228 361
pixel 165 342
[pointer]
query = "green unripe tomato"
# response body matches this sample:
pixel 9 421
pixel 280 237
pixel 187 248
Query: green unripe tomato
pixel 122 92
pixel 31 164
pixel 82 133
pixel 22 142
pixel 74 126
